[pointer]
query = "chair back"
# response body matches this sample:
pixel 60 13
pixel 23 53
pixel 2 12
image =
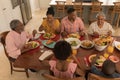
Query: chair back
pixel 96 6
pixel 96 77
pixel 50 77
pixel 3 37
pixel 60 5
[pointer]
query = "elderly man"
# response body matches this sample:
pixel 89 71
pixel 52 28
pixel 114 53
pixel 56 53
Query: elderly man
pixel 72 23
pixel 16 40
pixel 100 27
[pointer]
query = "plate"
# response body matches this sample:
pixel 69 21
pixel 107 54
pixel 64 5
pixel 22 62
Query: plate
pixel 34 44
pixel 75 42
pixel 48 45
pixel 114 58
pixel 117 44
pixel 87 44
pixel 49 35
pixel 74 35
pixel 99 61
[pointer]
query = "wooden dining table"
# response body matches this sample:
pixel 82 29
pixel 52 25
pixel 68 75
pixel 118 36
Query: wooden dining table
pixel 30 59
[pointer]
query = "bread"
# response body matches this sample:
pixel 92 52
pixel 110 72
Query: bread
pixel 49 42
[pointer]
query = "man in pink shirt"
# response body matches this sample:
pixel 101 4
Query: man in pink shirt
pixel 16 40
pixel 72 23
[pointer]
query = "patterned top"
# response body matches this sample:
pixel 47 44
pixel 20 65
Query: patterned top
pixel 67 74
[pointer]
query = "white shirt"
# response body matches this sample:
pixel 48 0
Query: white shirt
pixel 94 28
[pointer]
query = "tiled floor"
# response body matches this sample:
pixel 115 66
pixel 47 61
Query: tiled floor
pixel 4 64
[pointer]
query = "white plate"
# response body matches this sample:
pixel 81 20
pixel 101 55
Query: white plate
pixel 99 61
pixel 78 42
pixel 34 42
pixel 116 43
pixel 91 44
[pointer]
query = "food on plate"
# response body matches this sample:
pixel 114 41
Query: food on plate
pixel 102 41
pixel 114 58
pixel 99 60
pixel 32 44
pixel 49 35
pixel 74 35
pixel 73 43
pixel 86 44
pixel 49 42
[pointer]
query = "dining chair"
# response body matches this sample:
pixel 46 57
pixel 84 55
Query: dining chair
pixel 78 7
pixel 96 77
pixel 50 77
pixel 2 37
pixel 116 11
pixel 60 8
pixel 96 7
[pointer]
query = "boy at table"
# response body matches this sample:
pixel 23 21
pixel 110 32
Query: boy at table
pixel 108 70
pixel 61 67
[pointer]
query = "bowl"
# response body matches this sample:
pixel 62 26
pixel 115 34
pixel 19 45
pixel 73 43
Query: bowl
pixel 100 48
pixel 114 58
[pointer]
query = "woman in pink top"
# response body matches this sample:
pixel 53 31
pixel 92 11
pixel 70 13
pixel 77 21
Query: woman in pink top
pixel 61 67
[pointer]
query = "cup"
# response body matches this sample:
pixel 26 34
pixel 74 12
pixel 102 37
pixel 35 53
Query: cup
pixel 42 48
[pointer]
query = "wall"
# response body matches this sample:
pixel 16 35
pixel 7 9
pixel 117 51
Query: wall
pixel 34 5
pixel 44 4
pixel 8 14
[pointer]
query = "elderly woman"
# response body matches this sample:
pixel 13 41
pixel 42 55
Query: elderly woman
pixel 100 27
pixel 50 24
pixel 16 40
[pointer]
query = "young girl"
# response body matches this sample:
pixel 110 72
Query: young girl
pixel 61 67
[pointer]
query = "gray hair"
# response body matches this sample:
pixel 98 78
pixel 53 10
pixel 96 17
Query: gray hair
pixel 14 24
pixel 101 14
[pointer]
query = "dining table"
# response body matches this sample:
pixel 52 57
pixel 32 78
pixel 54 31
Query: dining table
pixel 30 59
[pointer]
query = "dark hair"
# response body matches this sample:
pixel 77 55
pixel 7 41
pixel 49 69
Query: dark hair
pixel 14 24
pixel 108 67
pixel 70 10
pixel 62 50
pixel 50 11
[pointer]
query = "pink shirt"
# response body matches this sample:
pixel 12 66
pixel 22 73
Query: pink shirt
pixel 15 42
pixel 67 74
pixel 69 27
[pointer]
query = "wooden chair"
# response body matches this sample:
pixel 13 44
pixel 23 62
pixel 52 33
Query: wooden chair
pixel 96 77
pixel 60 8
pixel 78 7
pixel 3 36
pixel 116 11
pixel 50 77
pixel 96 7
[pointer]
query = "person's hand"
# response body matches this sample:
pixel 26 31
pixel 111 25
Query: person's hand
pixel 109 33
pixel 82 33
pixel 96 34
pixel 64 34
pixel 34 32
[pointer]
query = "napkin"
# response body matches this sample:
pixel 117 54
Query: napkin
pixel 45 55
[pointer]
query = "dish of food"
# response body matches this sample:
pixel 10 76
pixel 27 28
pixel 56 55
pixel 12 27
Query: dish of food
pixel 99 61
pixel 74 35
pixel 87 44
pixel 34 44
pixel 49 35
pixel 49 43
pixel 117 44
pixel 114 58
pixel 75 42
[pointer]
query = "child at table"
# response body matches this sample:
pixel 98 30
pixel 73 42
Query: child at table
pixel 61 67
pixel 108 70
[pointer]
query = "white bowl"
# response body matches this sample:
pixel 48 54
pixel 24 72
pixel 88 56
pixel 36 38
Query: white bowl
pixel 100 48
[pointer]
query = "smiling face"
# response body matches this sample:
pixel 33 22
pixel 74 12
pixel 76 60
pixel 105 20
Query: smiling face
pixel 19 28
pixel 100 20
pixel 50 18
pixel 72 16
